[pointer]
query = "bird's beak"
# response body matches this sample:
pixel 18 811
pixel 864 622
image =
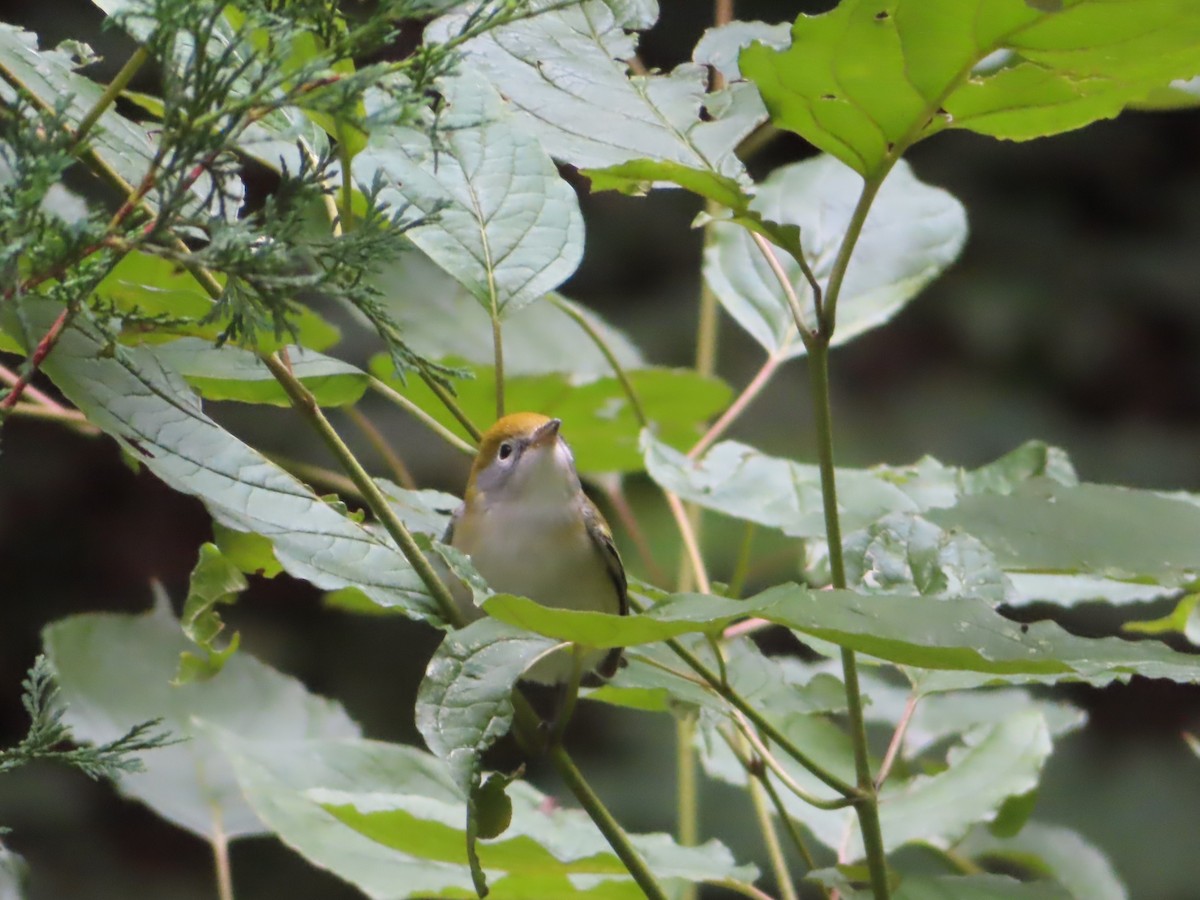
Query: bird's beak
pixel 545 434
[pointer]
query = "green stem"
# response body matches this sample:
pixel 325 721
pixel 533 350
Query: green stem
pixel 789 823
pixel 346 212
pixel 381 446
pixel 448 401
pixel 687 815
pixel 841 262
pixel 498 348
pixel 783 878
pixel 120 81
pixel 602 345
pixel 386 390
pixel 306 404
pixel 867 804
pixel 737 581
pixel 317 475
pixel 738 702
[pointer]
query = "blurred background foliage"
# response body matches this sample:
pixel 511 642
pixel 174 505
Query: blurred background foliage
pixel 1072 316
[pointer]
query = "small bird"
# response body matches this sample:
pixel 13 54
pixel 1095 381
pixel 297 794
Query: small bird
pixel 530 530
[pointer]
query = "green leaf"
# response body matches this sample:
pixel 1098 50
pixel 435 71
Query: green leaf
pixel 1049 851
pixel 152 286
pixel 1089 528
pixel 251 553
pixel 912 233
pixel 867 80
pixel 14 875
pixel 234 373
pixel 598 419
pixel 740 481
pixel 541 63
pixel 155 417
pixel 115 671
pixel 956 633
pixel 215 580
pixel 939 717
pixel 502 221
pixel 1184 619
pixel 1181 94
pixel 905 553
pixel 969 887
pixel 388 819
pixel 441 321
pixel 719 47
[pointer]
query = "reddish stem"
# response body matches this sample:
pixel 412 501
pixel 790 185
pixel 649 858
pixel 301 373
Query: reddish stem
pixel 45 345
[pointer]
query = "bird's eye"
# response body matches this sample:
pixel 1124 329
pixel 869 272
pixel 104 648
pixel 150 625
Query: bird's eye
pixel 506 450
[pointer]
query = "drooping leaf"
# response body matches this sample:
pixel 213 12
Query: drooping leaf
pixel 1049 851
pixel 565 73
pixel 912 233
pixel 388 819
pixel 954 633
pixel 503 222
pixel 152 413
pixel 867 80
pixel 234 373
pixel 116 670
pixel 599 420
pixel 215 580
pixel 962 887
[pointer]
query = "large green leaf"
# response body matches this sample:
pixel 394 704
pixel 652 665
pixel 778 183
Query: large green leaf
pixel 234 373
pixel 599 420
pixel 968 887
pixel 1088 528
pixel 153 414
pixel 740 481
pixel 955 633
pixel 115 671
pixel 911 234
pixel 440 320
pixel 565 73
pixel 871 77
pixel 1049 851
pixel 388 819
pixel 502 221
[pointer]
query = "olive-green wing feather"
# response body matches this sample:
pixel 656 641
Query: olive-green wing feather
pixel 599 530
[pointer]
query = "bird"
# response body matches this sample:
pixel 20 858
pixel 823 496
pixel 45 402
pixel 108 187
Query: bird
pixel 529 529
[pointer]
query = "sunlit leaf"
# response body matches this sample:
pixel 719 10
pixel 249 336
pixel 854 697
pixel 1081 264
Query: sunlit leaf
pixel 599 420
pixel 1183 619
pixel 912 233
pixel 215 580
pixel 503 222
pixel 866 81
pixel 565 73
pixel 115 671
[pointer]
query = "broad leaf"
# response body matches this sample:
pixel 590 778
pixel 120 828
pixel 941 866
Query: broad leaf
pixel 502 221
pixel 599 420
pixel 14 875
pixel 115 671
pixel 1049 851
pixel 964 887
pixel 740 481
pixel 388 819
pixel 955 633
pixel 215 581
pixel 912 233
pixel 565 73
pixel 234 373
pixel 866 80
pixel 152 413
pixel 441 321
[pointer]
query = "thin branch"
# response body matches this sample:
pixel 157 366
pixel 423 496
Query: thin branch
pixel 120 81
pixel 40 352
pixel 220 848
pixel 897 740
pixel 11 378
pixel 448 401
pixel 766 825
pixel 381 446
pixel 73 419
pixel 386 390
pixel 690 545
pixel 781 773
pixel 735 409
pixel 789 292
pixel 318 476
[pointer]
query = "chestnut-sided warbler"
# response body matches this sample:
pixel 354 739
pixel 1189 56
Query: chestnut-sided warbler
pixel 530 530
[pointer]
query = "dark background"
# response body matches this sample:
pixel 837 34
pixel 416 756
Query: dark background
pixel 1072 316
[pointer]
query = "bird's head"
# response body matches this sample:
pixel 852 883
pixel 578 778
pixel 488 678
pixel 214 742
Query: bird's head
pixel 523 458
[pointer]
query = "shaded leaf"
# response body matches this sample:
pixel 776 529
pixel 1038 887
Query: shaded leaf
pixel 502 221
pixel 864 83
pixel 969 887
pixel 1050 851
pixel 115 671
pixel 155 417
pixel 912 233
